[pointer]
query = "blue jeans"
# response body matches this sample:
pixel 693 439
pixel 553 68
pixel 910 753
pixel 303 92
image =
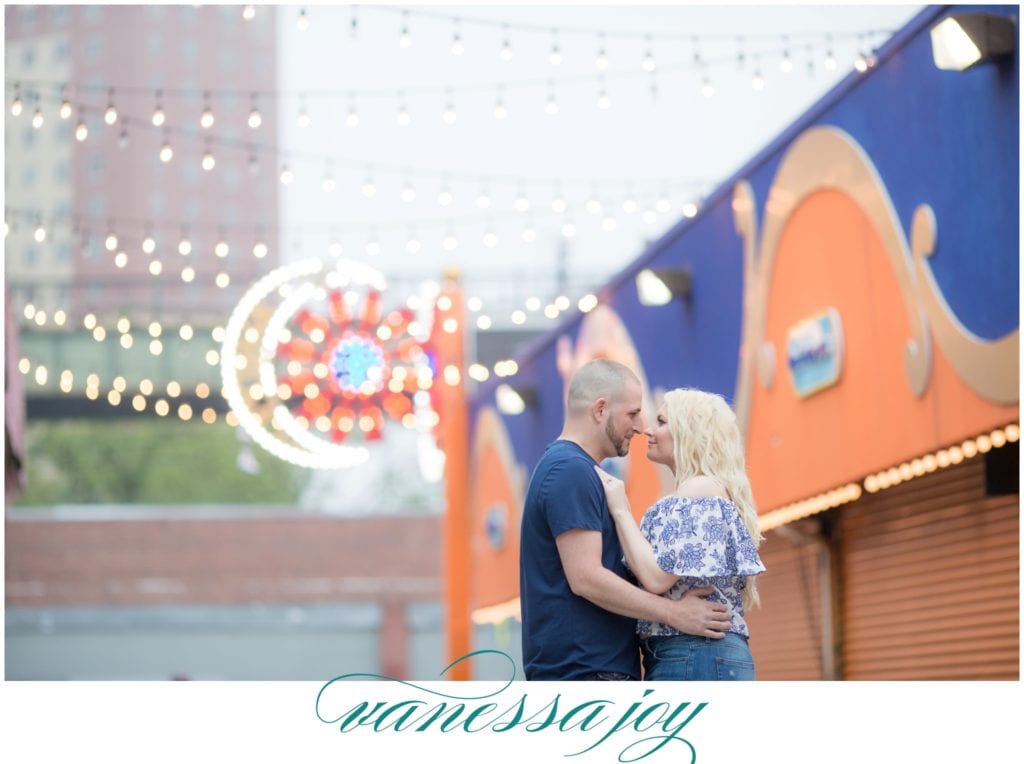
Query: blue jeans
pixel 700 659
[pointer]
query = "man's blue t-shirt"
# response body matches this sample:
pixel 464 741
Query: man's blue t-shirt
pixel 564 635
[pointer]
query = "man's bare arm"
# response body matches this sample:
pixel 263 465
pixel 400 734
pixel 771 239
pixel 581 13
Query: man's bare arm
pixel 580 552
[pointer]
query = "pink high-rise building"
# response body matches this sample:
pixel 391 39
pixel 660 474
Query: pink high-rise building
pixel 114 183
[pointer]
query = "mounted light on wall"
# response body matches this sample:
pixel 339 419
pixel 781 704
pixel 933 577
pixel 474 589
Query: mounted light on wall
pixel 513 399
pixel 658 287
pixel 962 40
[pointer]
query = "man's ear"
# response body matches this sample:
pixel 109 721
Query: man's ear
pixel 598 409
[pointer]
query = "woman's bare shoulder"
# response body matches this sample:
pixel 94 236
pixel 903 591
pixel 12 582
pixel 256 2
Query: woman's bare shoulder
pixel 700 486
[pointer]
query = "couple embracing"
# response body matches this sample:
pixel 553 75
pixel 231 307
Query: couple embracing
pixel 693 556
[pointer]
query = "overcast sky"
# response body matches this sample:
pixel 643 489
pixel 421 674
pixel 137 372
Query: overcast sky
pixel 660 139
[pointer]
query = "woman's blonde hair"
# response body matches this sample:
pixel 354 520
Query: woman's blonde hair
pixel 706 441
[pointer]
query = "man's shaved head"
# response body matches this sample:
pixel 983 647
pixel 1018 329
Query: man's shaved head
pixel 599 378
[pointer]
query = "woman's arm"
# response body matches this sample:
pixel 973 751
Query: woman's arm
pixel 635 547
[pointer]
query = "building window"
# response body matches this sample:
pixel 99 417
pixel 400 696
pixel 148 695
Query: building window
pixel 156 42
pixel 96 207
pixel 28 177
pixel 62 171
pixel 61 14
pixel 29 257
pixel 28 56
pixel 189 50
pixel 228 59
pixel 231 178
pixel 61 51
pixel 28 137
pixel 157 203
pixel 64 252
pixel 93 49
pixel 93 13
pixel 95 168
pixel 27 16
pixel 190 210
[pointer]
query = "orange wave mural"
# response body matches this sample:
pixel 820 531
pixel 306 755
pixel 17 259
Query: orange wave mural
pixel 832 240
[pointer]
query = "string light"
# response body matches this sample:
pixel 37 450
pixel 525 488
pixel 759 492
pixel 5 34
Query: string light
pixel 81 131
pixel 555 56
pixel 37 118
pixel 408 193
pixel 830 59
pixel 208 161
pixel 110 115
pixel 16 105
pixel 166 152
pixel 551 106
pixel 603 101
pixel 65 108
pixel 403 119
pixel 457 48
pixel 648 63
pixel 287 176
pixel 449 116
pixel 352 118
pixel 249 12
pixel 500 110
pixel 786 65
pixel 255 118
pixel 302 22
pixel 601 62
pixel 206 120
pixel 404 38
pixel 707 89
pixel 505 54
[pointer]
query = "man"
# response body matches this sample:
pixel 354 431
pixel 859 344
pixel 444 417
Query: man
pixel 579 611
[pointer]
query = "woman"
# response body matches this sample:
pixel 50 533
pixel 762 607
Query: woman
pixel 705 533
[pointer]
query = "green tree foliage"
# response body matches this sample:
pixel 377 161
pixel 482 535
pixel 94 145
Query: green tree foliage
pixel 150 461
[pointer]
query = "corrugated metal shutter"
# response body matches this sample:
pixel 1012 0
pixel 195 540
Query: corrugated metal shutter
pixel 785 631
pixel 930 574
